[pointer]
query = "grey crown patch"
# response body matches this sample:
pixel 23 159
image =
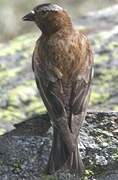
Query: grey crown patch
pixel 49 7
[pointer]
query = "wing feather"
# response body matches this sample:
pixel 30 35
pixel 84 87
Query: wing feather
pixel 81 92
pixel 50 87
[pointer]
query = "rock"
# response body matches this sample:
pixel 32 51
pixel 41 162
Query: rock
pixel 111 176
pixel 115 131
pixel 24 151
pixel 104 19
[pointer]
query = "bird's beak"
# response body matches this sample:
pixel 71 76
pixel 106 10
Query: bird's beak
pixel 29 17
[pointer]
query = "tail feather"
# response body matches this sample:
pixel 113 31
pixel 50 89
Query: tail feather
pixel 59 154
pixel 75 163
pixel 60 157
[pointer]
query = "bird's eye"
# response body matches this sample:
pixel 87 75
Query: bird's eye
pixel 45 13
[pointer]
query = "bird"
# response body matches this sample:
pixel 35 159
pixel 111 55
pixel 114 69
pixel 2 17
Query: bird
pixel 62 63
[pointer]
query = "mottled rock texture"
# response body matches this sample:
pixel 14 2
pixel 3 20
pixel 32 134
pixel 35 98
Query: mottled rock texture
pixel 24 151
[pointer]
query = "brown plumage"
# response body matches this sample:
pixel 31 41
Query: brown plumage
pixel 62 64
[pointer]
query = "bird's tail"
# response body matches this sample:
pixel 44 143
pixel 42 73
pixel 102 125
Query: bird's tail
pixel 60 157
pixel 59 154
pixel 75 164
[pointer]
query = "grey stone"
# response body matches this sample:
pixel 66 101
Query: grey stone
pixel 24 151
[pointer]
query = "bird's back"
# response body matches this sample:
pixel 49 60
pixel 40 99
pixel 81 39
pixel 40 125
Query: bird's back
pixel 63 56
pixel 63 52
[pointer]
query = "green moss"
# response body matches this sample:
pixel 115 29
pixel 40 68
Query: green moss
pixel 23 99
pixel 7 74
pixel 109 74
pixel 115 55
pixel 97 133
pixel 1 162
pixel 112 45
pixel 22 93
pixel 31 83
pixel 49 177
pixel 13 100
pixel 2 131
pixel 88 174
pixel 25 42
pixel 20 90
pixel 116 108
pixel 36 106
pixel 2 66
pixel 13 115
pixel 97 39
pixel 103 35
pixel 102 58
pixel 1 113
pixel 97 98
pixel 103 86
pixel 115 155
pixel 16 168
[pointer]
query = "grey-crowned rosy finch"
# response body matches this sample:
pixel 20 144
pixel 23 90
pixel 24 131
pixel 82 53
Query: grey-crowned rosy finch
pixel 62 64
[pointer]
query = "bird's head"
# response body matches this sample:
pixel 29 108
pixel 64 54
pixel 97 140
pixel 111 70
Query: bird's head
pixel 49 18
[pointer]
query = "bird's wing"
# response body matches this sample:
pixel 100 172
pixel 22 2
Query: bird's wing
pixel 81 90
pixel 49 83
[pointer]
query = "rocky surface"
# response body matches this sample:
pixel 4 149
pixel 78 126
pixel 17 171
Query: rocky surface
pixel 104 19
pixel 24 151
pixel 19 100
